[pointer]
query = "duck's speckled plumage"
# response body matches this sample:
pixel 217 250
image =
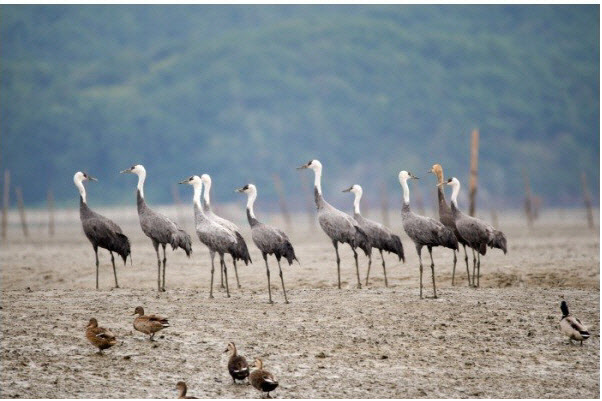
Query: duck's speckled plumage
pixel 99 336
pixel 237 364
pixel 261 379
pixel 149 324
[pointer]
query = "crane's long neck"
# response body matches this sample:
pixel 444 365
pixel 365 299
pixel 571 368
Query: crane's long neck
pixel 196 198
pixel 82 191
pixel 454 195
pixel 251 196
pixel 206 194
pixel 318 179
pixel 406 192
pixel 356 202
pixel 141 178
pixel 440 190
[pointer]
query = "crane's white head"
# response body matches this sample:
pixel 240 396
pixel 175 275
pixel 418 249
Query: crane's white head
pixel 453 182
pixel 406 175
pixel 248 189
pixel 137 169
pixel 79 177
pixel 192 180
pixel 356 189
pixel 315 165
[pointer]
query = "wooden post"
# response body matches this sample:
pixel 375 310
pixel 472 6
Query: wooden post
pixel 282 200
pixel 19 194
pixel 177 201
pixel 528 206
pixel 50 213
pixel 474 167
pixel 5 202
pixel 494 220
pixel 384 203
pixel 310 202
pixel 587 197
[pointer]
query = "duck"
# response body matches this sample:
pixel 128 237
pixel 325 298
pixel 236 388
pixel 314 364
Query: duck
pixel 99 336
pixel 237 364
pixel 182 389
pixel 261 379
pixel 571 326
pixel 149 324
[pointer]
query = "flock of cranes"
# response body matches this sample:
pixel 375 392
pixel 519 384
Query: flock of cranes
pixel 223 237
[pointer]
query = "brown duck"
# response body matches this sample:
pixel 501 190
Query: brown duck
pixel 99 336
pixel 237 364
pixel 182 389
pixel 261 379
pixel 149 324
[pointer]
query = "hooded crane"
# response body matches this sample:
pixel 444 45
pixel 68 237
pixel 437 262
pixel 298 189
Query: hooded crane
pixel 339 226
pixel 380 236
pixel 215 236
pixel 477 233
pixel 268 239
pixel 423 230
pixel 158 227
pixel 243 249
pixel 101 231
pixel 446 217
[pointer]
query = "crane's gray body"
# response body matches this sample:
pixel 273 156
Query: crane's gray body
pixel 242 251
pixel 425 231
pixel 339 226
pixel 271 240
pixel 215 236
pixel 103 232
pixel 477 233
pixel 160 229
pixel 380 236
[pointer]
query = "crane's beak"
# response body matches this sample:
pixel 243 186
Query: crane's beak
pixel 302 167
pixel 412 176
pixel 348 189
pixel 92 179
pixel 127 170
pixel 440 184
pixel 238 190
pixel 181 182
pixel 430 171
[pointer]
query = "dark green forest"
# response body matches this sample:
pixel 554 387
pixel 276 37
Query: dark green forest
pixel 245 92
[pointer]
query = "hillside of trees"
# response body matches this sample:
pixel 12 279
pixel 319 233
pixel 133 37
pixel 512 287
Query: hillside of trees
pixel 245 92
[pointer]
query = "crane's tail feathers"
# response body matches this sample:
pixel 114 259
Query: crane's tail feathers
pixel 498 240
pixel 395 246
pixel 242 251
pixel 362 241
pixel 122 246
pixel 483 249
pixel 448 239
pixel 182 240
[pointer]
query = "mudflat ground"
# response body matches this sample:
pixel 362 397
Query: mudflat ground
pixel 501 340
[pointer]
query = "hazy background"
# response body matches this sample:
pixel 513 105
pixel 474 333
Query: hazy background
pixel 245 92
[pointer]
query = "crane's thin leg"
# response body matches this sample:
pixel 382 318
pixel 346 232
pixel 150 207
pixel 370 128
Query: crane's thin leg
pixel 369 265
pixel 336 249
pixel 225 269
pixel 164 262
pixel 221 272
pixel 384 267
pixel 156 245
pixel 212 254
pixel 96 253
pixel 433 271
pixel 474 267
pixel 114 270
pixel 454 269
pixel 419 250
pixel 267 272
pixel 357 269
pixel 467 269
pixel 282 280
pixel 478 269
pixel 236 272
